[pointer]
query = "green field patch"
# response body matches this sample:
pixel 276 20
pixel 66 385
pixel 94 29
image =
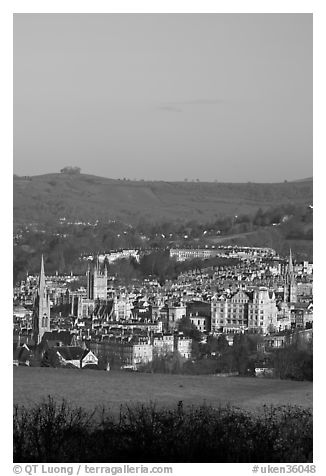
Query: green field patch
pixel 89 388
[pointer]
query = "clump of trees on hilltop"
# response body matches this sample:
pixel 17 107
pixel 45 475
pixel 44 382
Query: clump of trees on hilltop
pixel 71 170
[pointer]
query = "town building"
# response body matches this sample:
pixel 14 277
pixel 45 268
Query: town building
pixel 230 312
pixel 262 311
pixel 176 311
pixel 202 323
pixel 123 351
pixel 122 308
pixel 184 346
pixel 252 311
pixel 163 344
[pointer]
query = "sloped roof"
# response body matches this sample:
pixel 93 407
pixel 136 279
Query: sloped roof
pixel 301 305
pixel 58 336
pixel 22 353
pixel 71 352
pixel 20 309
pixel 70 366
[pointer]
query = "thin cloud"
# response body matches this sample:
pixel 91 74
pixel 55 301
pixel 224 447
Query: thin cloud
pixel 199 102
pixel 178 106
pixel 169 108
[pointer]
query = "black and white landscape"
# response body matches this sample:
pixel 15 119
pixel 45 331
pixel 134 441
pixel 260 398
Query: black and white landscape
pixel 163 238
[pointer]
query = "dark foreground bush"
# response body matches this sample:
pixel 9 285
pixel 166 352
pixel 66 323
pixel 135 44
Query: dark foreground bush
pixel 52 432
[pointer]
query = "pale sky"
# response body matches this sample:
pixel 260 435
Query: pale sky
pixel 164 96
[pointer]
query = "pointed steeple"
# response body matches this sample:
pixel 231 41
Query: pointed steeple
pixel 290 285
pixel 42 276
pixel 41 315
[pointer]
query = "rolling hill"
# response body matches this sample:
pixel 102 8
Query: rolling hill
pixel 46 198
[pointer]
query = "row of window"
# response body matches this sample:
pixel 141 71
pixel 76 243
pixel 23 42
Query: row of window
pixel 238 311
pixel 237 321
pixel 235 302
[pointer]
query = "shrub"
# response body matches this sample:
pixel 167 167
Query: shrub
pixel 55 432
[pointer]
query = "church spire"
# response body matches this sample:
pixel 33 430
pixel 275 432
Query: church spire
pixel 41 314
pixel 290 285
pixel 42 276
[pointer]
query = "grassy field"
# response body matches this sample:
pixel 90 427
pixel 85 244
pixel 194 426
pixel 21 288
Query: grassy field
pixel 90 388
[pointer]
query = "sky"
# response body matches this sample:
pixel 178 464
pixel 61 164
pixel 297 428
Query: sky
pixel 224 97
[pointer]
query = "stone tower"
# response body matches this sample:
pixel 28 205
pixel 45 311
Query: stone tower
pixel 90 283
pixel 41 315
pixel 97 282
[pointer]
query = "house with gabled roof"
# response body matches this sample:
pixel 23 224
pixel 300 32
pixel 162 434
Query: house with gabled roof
pixel 70 355
pixel 76 356
pixel 22 355
pixel 89 360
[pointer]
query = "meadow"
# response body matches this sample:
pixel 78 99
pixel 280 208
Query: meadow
pixel 91 388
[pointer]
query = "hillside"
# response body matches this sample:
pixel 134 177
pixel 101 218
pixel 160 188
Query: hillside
pixel 45 198
pixel 273 237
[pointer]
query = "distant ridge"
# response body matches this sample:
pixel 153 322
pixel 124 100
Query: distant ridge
pixel 48 197
pixel 308 179
pixel 99 177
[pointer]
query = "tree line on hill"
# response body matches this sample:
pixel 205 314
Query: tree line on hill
pixel 63 245
pixel 289 216
pixel 63 255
